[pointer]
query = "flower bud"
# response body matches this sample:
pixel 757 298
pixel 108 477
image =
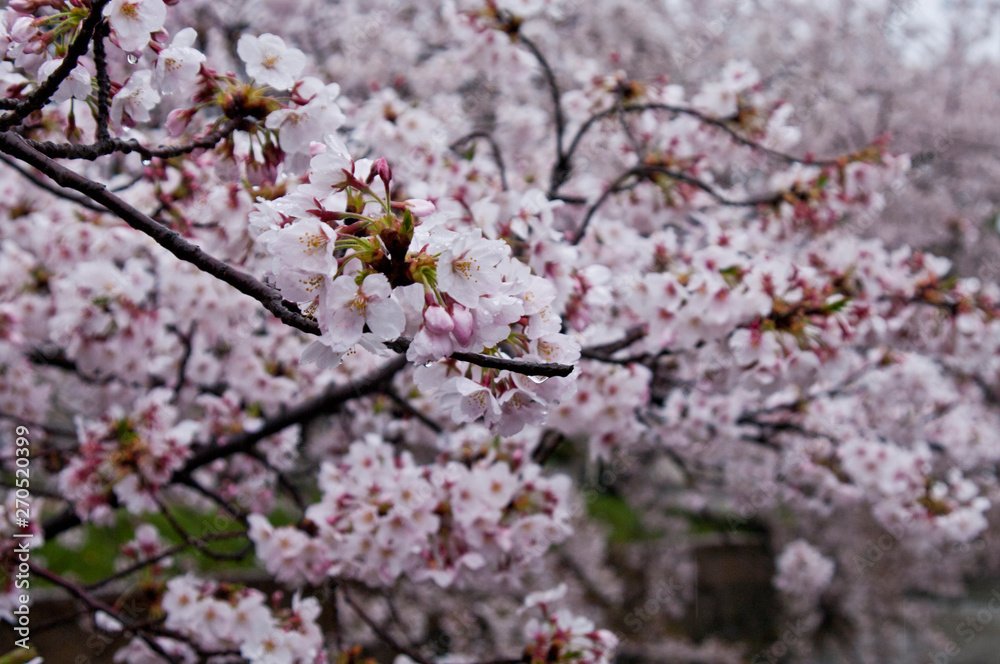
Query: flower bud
pixel 437 320
pixel 463 325
pixel 381 167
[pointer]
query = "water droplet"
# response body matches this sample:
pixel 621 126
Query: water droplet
pixel 147 162
pixel 132 58
pixel 538 379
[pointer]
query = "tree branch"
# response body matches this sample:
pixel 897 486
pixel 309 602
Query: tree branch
pixel 15 146
pixel 321 405
pixel 560 170
pixel 108 145
pixel 95 605
pixel 643 171
pixel 383 634
pixel 497 156
pixel 103 84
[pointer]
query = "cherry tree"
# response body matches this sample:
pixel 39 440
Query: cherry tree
pixel 391 295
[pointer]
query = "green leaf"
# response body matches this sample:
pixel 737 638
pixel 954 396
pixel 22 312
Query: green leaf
pixel 19 656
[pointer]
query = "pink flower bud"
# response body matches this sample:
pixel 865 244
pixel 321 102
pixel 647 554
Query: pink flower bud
pixel 381 167
pixel 437 320
pixel 463 325
pixel 178 120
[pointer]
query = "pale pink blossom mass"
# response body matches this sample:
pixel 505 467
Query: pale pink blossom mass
pixel 534 331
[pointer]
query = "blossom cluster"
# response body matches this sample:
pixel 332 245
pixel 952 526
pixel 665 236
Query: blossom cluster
pixel 560 636
pixel 370 276
pixel 221 617
pixel 723 319
pixel 127 455
pixel 383 516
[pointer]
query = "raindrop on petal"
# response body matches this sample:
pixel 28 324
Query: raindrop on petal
pixel 132 58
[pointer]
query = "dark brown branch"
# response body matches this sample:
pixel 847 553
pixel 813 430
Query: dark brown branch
pixel 547 446
pixel 187 341
pixel 103 84
pixel 59 360
pixel 677 110
pixel 605 351
pixel 333 396
pixel 41 96
pixel 548 369
pixel 325 403
pixel 408 409
pixel 95 605
pixel 14 145
pixel 234 512
pixel 166 553
pixel 283 480
pixel 196 542
pixel 109 145
pixel 723 124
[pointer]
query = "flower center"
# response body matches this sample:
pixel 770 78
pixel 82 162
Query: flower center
pixel 130 10
pixel 360 304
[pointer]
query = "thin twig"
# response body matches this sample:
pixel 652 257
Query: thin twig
pixel 561 169
pixel 166 553
pixel 283 480
pixel 643 171
pixel 494 148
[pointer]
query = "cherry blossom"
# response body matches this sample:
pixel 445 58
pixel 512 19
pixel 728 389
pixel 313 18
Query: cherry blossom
pixel 464 304
pixel 133 21
pixel 270 61
pixel 178 64
pixel 134 101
